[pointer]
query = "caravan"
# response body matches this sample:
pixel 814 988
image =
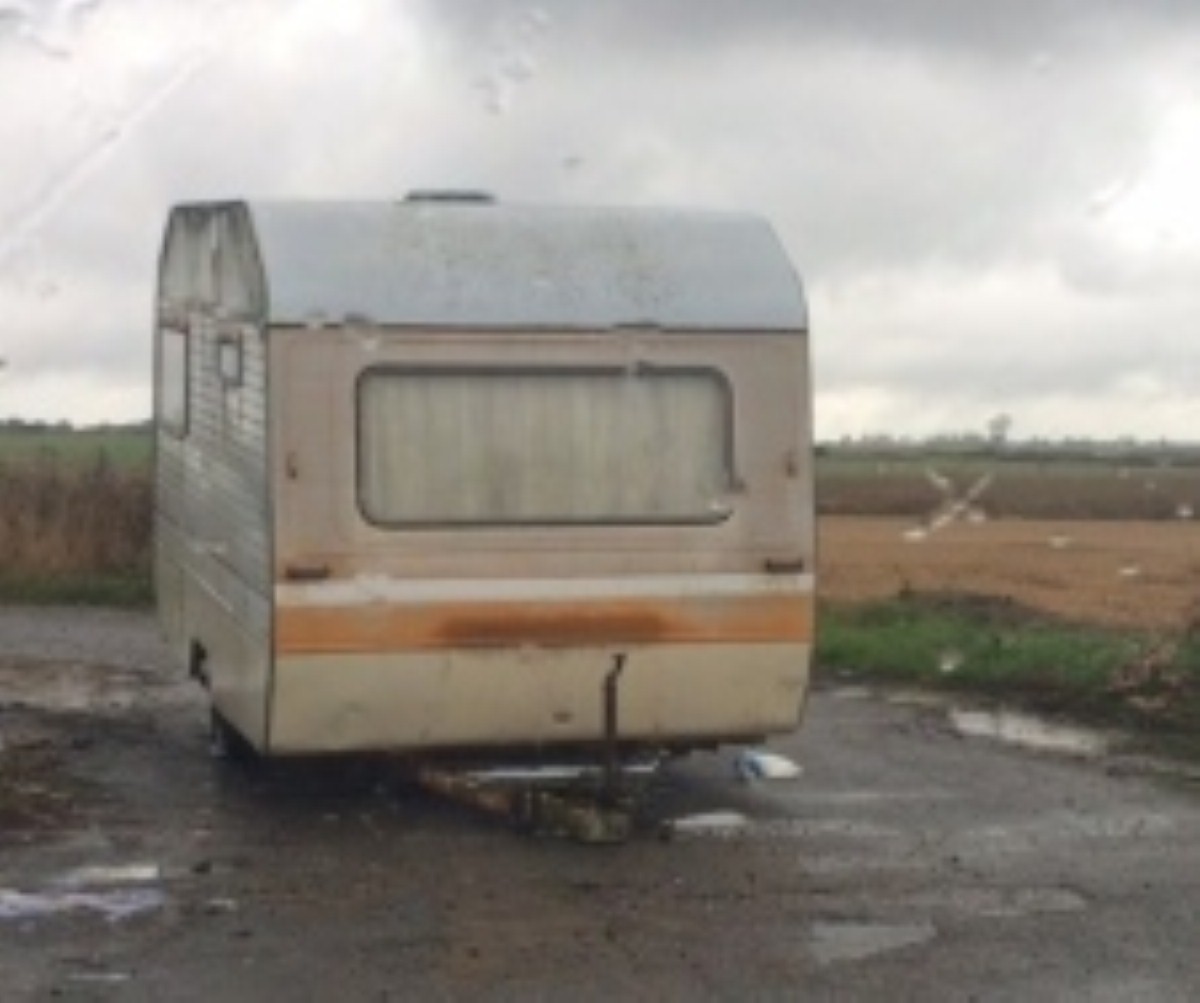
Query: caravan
pixel 435 475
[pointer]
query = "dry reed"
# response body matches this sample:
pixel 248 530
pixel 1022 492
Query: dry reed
pixel 70 520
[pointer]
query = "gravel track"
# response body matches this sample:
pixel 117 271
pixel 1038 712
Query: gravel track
pixel 906 862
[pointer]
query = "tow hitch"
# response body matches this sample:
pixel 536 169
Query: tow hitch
pixel 587 802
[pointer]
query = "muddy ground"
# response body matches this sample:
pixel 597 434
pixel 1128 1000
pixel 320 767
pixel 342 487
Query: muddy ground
pixel 917 856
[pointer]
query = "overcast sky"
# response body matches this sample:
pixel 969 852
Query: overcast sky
pixel 994 207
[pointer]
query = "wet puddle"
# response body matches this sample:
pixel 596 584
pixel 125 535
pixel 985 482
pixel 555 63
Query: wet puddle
pixel 113 905
pixel 1000 903
pixel 114 893
pixel 74 687
pixel 836 942
pixel 1028 731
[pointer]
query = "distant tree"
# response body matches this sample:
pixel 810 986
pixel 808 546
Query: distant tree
pixel 998 428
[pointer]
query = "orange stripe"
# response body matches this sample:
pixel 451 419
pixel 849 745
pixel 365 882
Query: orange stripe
pixel 385 627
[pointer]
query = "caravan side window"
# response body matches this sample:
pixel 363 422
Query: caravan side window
pixel 173 382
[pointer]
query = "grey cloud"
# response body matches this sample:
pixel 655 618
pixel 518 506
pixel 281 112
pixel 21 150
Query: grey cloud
pixel 917 148
pixel 1019 28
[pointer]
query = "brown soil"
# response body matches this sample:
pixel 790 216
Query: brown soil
pixel 1123 574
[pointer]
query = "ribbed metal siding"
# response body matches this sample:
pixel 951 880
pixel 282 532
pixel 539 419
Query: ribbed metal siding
pixel 213 501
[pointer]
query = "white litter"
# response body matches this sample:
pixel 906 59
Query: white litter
pixel 710 823
pixel 758 764
pixel 100 876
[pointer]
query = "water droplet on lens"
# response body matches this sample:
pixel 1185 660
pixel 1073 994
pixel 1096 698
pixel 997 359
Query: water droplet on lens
pixel 1105 198
pixel 519 69
pixel 1042 63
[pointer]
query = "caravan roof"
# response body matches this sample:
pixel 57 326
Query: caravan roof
pixel 470 263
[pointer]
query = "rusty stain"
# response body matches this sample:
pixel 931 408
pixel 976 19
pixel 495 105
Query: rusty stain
pixel 552 629
pixel 306 572
pixel 397 627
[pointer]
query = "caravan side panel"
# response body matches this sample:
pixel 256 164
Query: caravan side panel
pixel 213 539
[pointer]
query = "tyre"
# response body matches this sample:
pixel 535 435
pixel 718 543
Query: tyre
pixel 226 743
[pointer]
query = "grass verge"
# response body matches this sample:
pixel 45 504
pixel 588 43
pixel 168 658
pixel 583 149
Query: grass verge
pixel 1145 682
pixel 125 590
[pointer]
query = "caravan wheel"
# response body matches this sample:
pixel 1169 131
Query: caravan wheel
pixel 225 742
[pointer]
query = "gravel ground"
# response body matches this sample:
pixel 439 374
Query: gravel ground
pixel 101 637
pixel 907 861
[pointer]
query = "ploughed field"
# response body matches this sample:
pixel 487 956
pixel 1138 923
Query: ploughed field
pixel 1123 573
pixel 1112 540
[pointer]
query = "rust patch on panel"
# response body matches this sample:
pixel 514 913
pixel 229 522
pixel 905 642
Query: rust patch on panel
pixel 395 627
pixel 553 628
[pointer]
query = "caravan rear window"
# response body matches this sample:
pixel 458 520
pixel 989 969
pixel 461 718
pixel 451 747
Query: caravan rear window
pixel 488 447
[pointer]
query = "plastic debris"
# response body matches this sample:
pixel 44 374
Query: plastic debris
pixel 123 874
pixel 758 764
pixel 710 823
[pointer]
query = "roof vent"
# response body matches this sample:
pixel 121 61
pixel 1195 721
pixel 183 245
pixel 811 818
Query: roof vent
pixel 456 195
